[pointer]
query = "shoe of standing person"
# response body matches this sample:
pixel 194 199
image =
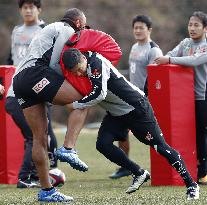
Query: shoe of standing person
pixel 53 196
pixel 120 172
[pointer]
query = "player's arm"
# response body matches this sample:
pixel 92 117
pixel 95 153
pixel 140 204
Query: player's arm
pixel 98 75
pixel 177 51
pixel 61 37
pixel 194 60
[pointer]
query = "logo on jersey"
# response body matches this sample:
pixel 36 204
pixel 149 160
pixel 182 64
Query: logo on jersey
pixel 95 73
pixel 41 85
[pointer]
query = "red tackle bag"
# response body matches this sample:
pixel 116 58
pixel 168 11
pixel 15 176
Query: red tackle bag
pixel 11 139
pixel 171 93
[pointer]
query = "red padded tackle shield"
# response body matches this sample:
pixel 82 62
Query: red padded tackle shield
pixel 95 41
pixel 171 93
pixel 11 139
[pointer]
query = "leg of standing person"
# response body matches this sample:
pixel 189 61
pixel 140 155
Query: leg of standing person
pixel 65 95
pixel 201 138
pixel 27 168
pixel 27 176
pixel 37 120
pixel 52 141
pixel 39 130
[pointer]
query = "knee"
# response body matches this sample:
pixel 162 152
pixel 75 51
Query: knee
pixel 166 150
pixel 40 142
pixel 99 145
pixel 160 148
pixel 103 145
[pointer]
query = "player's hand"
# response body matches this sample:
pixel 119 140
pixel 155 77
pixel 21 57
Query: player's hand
pixel 162 60
pixel 2 90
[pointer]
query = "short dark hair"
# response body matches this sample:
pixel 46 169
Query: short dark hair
pixel 72 15
pixel 71 57
pixel 37 3
pixel 200 15
pixel 144 19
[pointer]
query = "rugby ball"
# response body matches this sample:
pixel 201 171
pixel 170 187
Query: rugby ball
pixel 57 177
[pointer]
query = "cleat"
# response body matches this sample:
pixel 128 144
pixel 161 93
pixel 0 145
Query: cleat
pixel 193 192
pixel 53 196
pixel 121 172
pixel 27 184
pixel 138 181
pixel 71 157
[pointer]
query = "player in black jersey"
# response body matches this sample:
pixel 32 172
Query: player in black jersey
pixel 127 108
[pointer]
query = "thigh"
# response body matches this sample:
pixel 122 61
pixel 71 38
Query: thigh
pixel 36 118
pixel 112 129
pixel 144 126
pixel 14 109
pixel 66 94
pixel 148 133
pixel 11 105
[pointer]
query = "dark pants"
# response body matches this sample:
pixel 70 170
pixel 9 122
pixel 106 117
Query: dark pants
pixel 201 136
pixel 27 168
pixel 145 128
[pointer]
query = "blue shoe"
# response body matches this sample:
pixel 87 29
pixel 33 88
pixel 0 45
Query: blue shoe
pixel 53 196
pixel 71 157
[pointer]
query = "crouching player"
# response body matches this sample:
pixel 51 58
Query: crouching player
pixel 127 108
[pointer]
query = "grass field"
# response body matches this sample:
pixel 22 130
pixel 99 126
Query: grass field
pixel 95 188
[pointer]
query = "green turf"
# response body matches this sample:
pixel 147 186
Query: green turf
pixel 95 188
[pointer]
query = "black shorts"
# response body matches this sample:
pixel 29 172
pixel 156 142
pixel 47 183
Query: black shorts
pixel 36 85
pixel 141 121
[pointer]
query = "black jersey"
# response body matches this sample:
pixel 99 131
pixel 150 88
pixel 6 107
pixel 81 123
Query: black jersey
pixel 110 89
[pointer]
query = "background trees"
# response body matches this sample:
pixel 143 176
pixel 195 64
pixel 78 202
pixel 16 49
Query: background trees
pixel 170 18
